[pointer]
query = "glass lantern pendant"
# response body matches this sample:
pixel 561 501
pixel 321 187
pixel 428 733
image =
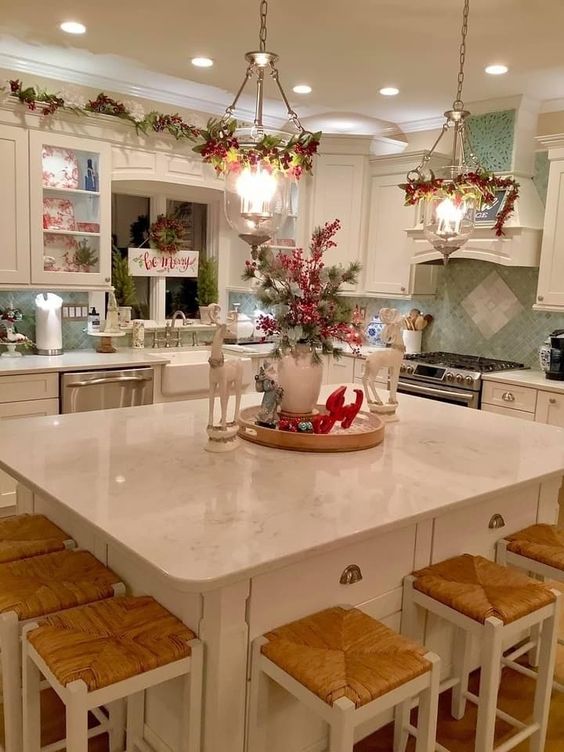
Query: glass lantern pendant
pixel 257 197
pixel 451 202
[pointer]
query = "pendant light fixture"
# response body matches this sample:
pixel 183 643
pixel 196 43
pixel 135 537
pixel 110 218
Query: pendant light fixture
pixel 259 165
pixel 453 197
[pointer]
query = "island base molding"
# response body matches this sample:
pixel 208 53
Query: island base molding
pixel 227 618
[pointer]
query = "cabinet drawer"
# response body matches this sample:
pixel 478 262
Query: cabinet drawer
pixel 509 395
pixel 32 386
pixel 310 585
pixel 467 531
pixel 28 408
pixel 508 411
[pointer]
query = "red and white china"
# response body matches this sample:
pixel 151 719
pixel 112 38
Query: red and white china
pixel 58 214
pixel 60 168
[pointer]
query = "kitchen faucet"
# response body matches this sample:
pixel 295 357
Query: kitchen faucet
pixel 170 328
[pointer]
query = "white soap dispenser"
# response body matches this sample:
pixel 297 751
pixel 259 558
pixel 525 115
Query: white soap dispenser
pixel 48 324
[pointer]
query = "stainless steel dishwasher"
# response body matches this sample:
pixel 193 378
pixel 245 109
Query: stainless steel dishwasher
pixel 102 390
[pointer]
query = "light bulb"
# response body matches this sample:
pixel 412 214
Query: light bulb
pixel 450 216
pixel 256 188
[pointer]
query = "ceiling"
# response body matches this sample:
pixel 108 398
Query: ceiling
pixel 345 50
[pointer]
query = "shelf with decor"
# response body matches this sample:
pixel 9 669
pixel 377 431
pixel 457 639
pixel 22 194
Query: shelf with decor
pixel 70 199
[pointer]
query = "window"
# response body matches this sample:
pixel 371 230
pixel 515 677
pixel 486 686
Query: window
pixel 182 294
pixel 130 229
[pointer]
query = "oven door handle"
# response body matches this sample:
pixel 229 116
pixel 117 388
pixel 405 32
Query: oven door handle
pixel 430 391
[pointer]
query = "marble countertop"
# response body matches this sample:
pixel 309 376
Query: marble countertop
pixel 142 476
pixel 535 379
pixel 78 360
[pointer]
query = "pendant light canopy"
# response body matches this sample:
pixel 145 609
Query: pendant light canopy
pixel 257 186
pixel 456 193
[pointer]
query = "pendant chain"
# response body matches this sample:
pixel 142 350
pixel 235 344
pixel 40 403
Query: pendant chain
pixel 458 104
pixel 263 29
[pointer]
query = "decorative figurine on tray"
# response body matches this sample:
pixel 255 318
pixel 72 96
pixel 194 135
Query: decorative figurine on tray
pixel 226 378
pixel 389 358
pixel 265 382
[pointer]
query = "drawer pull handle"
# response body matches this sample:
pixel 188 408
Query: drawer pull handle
pixel 350 575
pixel 508 397
pixel 496 522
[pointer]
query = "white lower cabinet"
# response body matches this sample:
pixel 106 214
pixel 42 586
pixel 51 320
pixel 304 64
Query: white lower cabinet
pixel 550 409
pixel 508 412
pixel 24 396
pixel 340 370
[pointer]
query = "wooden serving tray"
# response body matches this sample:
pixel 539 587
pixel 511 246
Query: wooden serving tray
pixel 366 432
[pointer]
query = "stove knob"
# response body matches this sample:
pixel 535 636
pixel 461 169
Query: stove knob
pixel 410 369
pixel 469 380
pixel 459 378
pixel 402 368
pixel 449 377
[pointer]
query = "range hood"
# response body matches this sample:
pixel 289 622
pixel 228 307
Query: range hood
pixel 521 243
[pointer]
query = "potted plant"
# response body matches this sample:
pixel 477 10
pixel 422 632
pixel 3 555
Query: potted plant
pixel 207 287
pixel 308 315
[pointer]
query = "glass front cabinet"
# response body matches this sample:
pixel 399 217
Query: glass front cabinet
pixel 70 203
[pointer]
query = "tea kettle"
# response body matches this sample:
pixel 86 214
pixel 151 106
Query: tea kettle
pixel 239 325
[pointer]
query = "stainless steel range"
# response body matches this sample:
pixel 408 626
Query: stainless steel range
pixel 449 377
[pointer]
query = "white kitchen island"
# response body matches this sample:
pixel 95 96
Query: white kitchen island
pixel 235 544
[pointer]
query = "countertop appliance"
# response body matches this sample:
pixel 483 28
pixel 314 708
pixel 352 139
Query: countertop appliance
pixel 555 370
pixel 48 324
pixel 449 377
pixel 102 390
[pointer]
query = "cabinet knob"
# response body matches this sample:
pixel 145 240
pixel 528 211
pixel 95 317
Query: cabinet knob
pixel 541 298
pixel 402 289
pixel 508 397
pixel 552 400
pixel 350 575
pixel 496 522
pixel 107 279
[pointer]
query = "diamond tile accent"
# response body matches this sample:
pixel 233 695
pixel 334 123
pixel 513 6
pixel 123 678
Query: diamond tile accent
pixel 491 305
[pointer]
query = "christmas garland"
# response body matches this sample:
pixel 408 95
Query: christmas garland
pixel 218 145
pixel 222 150
pixel 480 186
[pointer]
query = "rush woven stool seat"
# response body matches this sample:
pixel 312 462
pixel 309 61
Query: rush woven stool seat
pixel 538 549
pixel 494 606
pixel 348 668
pixel 105 652
pixel 32 588
pixel 25 535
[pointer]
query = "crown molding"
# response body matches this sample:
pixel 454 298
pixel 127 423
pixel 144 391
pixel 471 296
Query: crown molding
pixel 157 87
pixel 424 124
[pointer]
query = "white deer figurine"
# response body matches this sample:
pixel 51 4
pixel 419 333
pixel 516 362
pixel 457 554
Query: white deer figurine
pixel 390 358
pixel 226 378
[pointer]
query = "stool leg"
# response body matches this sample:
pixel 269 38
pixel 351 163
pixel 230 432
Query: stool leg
pixel 135 719
pixel 258 700
pixel 401 719
pixel 11 679
pixel 77 717
pixel 116 711
pixel 341 729
pixel 31 703
pixel 489 684
pixel 543 690
pixel 429 708
pixel 190 740
pixel 461 668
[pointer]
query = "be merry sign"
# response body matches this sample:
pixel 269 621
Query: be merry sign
pixel 148 262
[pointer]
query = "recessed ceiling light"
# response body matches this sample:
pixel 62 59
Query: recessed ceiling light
pixel 73 27
pixel 496 70
pixel 389 91
pixel 202 62
pixel 302 89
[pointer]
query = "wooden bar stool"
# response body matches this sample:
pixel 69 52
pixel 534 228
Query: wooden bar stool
pixel 108 651
pixel 539 549
pixel 347 668
pixel 495 605
pixel 34 587
pixel 25 535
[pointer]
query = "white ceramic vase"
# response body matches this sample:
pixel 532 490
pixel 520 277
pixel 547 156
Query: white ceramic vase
pixel 300 377
pixel 412 341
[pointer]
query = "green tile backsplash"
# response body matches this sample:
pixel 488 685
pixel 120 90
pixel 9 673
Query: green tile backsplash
pixel 491 139
pixel 453 330
pixel 74 338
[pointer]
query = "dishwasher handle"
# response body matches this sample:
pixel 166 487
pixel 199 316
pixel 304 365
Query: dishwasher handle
pixel 109 380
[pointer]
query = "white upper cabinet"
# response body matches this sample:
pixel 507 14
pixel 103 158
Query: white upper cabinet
pixel 389 270
pixel 338 193
pixel 550 293
pixel 70 204
pixel 14 206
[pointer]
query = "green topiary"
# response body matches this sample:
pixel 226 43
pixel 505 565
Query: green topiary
pixel 207 281
pixel 125 291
